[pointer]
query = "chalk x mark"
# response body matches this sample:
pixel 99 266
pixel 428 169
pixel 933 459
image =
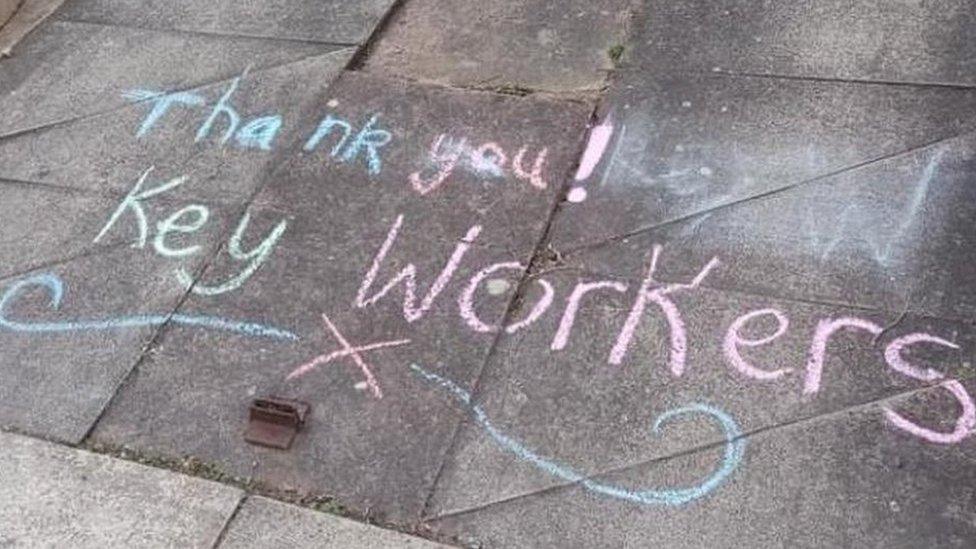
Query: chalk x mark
pixel 732 457
pixel 348 350
pixel 56 288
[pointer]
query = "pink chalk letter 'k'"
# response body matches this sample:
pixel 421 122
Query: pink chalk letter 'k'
pixel 657 293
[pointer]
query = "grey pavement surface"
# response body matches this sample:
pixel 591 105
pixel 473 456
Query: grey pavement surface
pixel 539 45
pixel 316 21
pixel 353 448
pixel 54 496
pixel 549 274
pixel 898 42
pixel 265 523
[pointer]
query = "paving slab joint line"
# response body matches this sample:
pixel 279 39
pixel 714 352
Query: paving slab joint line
pixel 582 248
pixel 901 312
pixel 27 16
pixel 834 79
pixel 359 58
pixel 11 11
pixel 228 524
pixel 540 253
pixel 90 251
pixel 194 467
pixel 695 449
pixel 197 468
pixel 585 97
pixel 156 333
pixel 128 105
pixel 15 430
pixel 212 34
pixel 358 63
pixel 16 182
pixel 196 277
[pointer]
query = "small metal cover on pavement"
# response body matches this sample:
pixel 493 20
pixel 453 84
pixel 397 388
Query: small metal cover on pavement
pixel 274 422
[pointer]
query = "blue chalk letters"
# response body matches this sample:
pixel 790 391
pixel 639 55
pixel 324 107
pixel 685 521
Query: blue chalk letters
pixel 259 133
pixel 188 220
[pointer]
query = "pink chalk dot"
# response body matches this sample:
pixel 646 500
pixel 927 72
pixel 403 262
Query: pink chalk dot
pixel 576 195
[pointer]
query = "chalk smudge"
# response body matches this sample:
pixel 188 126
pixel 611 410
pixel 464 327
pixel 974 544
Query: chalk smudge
pixel 56 288
pixel 732 458
pixel 883 252
pixel 918 199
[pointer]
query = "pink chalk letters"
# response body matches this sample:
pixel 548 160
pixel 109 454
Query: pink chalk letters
pixel 651 291
pixel 733 340
pixel 487 160
pixel 662 295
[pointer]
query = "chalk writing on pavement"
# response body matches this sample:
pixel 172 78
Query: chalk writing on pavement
pixel 443 156
pixel 56 288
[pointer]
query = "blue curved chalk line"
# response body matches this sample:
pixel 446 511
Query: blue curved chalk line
pixel 734 449
pixel 56 288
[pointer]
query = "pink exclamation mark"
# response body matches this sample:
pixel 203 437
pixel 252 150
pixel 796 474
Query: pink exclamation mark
pixel 595 147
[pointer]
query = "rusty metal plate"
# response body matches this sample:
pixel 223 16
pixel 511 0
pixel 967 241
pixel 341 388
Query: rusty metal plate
pixel 274 422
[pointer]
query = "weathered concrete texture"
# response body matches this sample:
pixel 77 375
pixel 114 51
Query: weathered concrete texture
pixel 682 146
pixel 536 44
pixel 264 523
pixel 49 226
pixel 493 143
pixel 65 71
pixel 67 188
pixel 52 496
pixel 906 41
pixel 574 407
pixel 220 165
pixel 330 21
pixel 43 225
pixel 7 9
pixel 70 337
pixel 895 234
pixel 28 15
pixel 371 453
pixel 844 480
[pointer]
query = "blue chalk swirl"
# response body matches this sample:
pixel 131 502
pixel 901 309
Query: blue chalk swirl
pixel 55 286
pixel 734 449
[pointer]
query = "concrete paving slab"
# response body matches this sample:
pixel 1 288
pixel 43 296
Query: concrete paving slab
pixel 373 454
pixel 46 225
pixel 70 230
pixel 53 496
pixel 265 523
pixel 332 21
pixel 844 480
pixel 380 454
pixel 679 146
pixel 905 41
pixel 893 235
pixel 460 155
pixel 557 390
pixel 536 45
pixel 7 9
pixel 71 330
pixel 224 160
pixel 28 15
pixel 64 71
